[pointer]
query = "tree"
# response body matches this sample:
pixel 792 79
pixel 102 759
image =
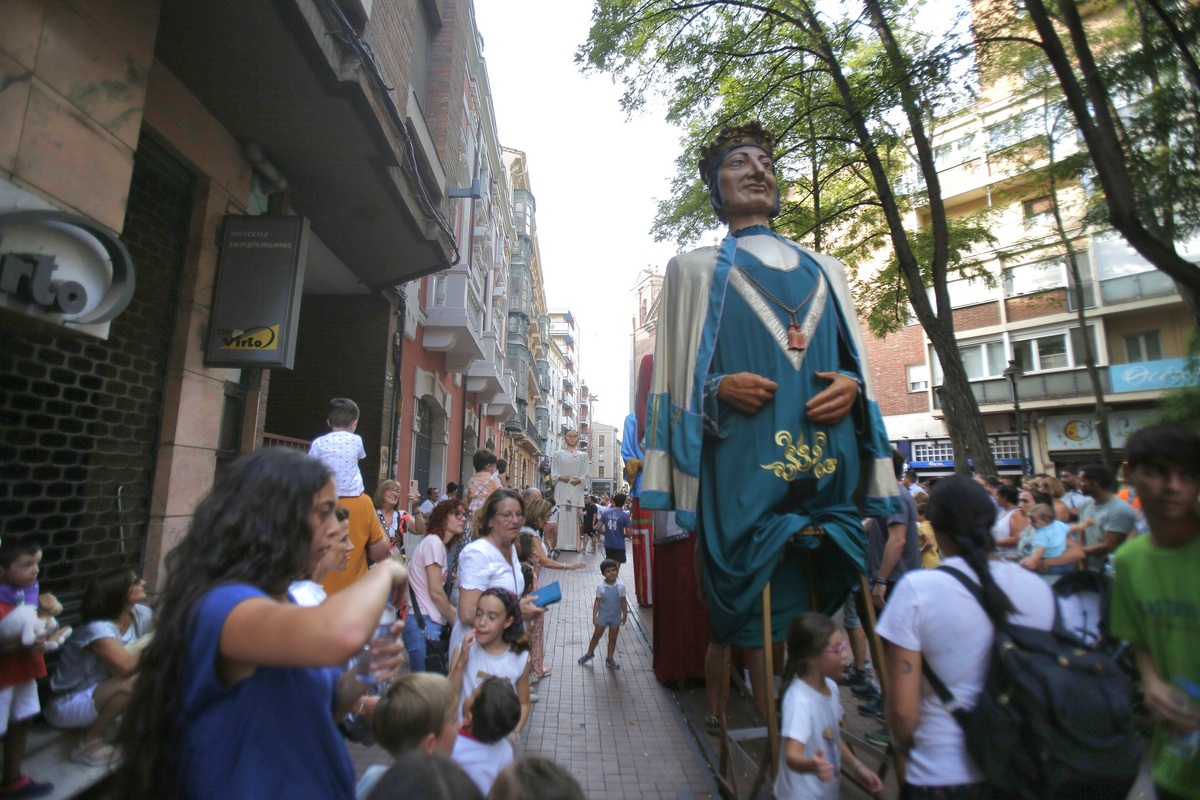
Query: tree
pixel 852 93
pixel 1134 92
pixel 1038 163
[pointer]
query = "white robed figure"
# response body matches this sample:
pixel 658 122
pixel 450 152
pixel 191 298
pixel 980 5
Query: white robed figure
pixel 569 472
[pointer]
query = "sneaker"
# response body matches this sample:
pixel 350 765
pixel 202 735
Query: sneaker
pixel 584 659
pixel 611 664
pixel 852 675
pixel 26 786
pixel 533 679
pixel 867 690
pixel 533 698
pixel 873 708
pixel 712 724
pixel 95 753
pixel 880 738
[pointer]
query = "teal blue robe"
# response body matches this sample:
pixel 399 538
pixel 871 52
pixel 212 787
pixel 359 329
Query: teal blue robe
pixel 764 477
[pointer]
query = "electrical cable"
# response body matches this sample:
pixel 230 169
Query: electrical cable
pixel 345 33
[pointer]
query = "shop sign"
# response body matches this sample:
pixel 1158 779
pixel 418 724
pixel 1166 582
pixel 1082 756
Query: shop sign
pixel 1167 373
pixel 1078 431
pixel 61 271
pixel 256 298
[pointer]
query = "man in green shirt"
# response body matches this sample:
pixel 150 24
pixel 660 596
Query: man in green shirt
pixel 1156 600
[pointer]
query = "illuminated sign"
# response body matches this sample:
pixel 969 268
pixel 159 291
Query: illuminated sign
pixel 62 271
pixel 256 299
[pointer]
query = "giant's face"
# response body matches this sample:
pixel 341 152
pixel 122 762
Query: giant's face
pixel 572 438
pixel 747 180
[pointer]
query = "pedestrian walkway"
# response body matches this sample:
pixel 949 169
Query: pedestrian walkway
pixel 619 732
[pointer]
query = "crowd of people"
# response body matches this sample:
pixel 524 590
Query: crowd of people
pixel 275 636
pixel 249 646
pixel 1013 539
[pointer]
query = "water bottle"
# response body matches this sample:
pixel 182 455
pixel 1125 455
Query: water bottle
pixel 1187 694
pixel 362 665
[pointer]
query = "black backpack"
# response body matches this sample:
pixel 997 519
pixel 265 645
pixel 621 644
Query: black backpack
pixel 1054 719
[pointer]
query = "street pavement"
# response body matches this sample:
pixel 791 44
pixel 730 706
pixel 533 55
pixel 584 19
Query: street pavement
pixel 619 732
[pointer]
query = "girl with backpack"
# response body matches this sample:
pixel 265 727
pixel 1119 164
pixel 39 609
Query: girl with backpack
pixel 932 617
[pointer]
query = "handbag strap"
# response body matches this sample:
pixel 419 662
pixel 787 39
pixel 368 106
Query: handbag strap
pixel 416 608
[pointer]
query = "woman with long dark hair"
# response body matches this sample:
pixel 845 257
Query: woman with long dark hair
pixel 931 617
pixel 235 696
pixel 1010 519
pixel 427 572
pixel 95 671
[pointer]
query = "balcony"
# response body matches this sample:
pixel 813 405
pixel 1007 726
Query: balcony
pixel 452 320
pixel 1034 388
pixel 297 88
pixel 504 404
pixel 485 377
pixel 524 432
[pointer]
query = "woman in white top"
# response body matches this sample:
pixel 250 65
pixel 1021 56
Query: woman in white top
pixel 95 672
pixel 491 561
pixel 427 573
pixel 1011 520
pixel 931 617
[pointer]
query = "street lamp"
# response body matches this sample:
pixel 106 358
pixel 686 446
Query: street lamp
pixel 1013 373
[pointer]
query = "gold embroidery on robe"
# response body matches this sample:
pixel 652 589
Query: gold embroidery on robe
pixel 801 457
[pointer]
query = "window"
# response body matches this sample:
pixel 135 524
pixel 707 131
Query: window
pixel 933 451
pixel 1029 125
pixel 1038 206
pixel 1042 353
pixel 602 452
pixel 964 292
pixel 984 360
pixel 1040 276
pixel 421 41
pixel 1006 448
pixel 601 473
pixel 1142 347
pixel 602 440
pixel 951 154
pixel 918 377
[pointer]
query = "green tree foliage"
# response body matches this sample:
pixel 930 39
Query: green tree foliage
pixel 1128 73
pixel 854 90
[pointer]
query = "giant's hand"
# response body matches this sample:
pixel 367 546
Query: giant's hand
pixel 831 404
pixel 746 391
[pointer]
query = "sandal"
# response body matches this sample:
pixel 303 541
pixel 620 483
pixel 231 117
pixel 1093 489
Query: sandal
pixel 544 673
pixel 95 753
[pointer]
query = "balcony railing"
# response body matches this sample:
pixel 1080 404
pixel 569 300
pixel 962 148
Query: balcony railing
pixel 1035 387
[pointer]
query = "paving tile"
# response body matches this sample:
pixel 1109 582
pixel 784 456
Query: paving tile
pixel 619 732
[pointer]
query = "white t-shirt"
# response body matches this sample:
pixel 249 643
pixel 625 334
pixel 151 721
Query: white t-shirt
pixel 482 664
pixel 341 451
pixel 307 593
pixel 481 566
pixel 932 613
pixel 426 508
pixel 812 718
pixel 483 762
pixel 431 550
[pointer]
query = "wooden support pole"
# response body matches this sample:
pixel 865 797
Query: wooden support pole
pixel 876 646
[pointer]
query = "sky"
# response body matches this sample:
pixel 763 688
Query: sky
pixel 596 175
